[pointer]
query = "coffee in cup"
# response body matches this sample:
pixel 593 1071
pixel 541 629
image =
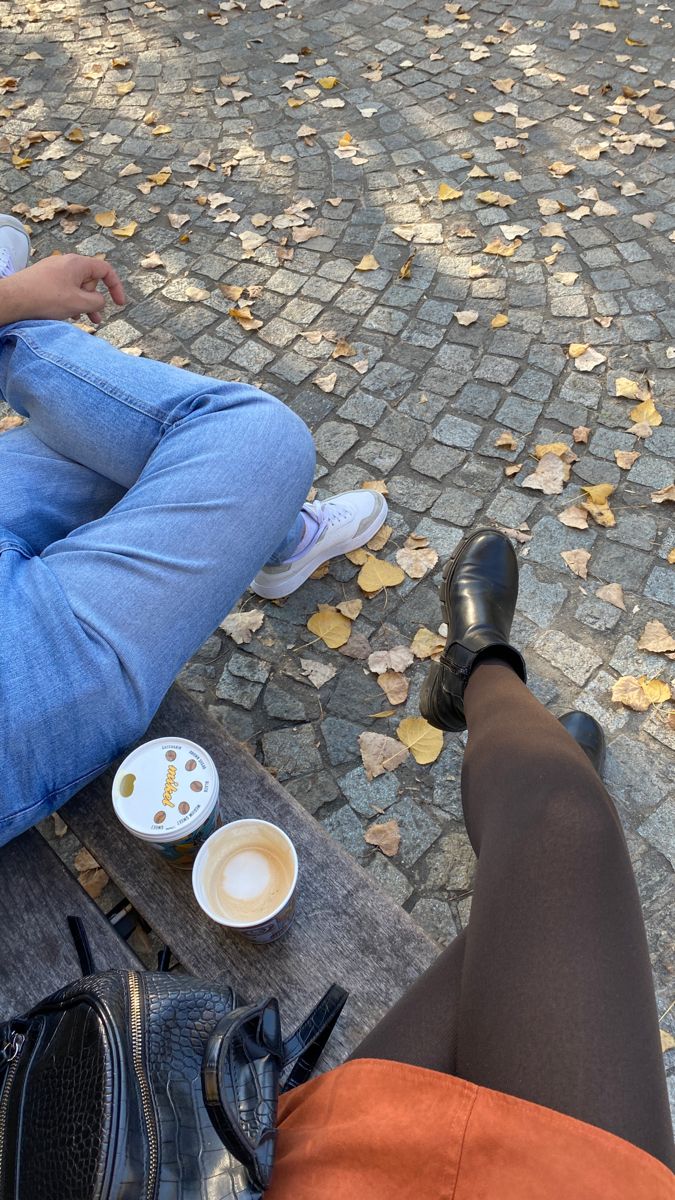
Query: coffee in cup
pixel 245 877
pixel 166 793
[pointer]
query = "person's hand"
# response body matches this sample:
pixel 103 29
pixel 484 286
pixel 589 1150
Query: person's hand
pixel 59 287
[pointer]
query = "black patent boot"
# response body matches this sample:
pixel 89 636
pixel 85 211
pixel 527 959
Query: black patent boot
pixel 478 593
pixel 588 734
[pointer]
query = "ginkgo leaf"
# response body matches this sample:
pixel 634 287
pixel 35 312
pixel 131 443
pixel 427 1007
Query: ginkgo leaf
pixel 446 192
pixel 380 753
pixel 106 219
pixel 241 626
pixel 376 574
pixel 424 741
pixel 656 638
pixel 368 263
pixel 577 561
pixel 386 836
pixel 330 625
pixel 427 644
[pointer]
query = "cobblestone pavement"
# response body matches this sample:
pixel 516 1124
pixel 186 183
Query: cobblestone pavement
pixel 481 97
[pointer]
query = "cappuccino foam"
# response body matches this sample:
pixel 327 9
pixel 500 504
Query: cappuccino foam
pixel 247 876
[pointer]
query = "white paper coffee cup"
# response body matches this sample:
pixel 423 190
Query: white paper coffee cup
pixel 234 864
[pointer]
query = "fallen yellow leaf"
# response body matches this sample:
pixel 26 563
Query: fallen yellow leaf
pixel 75 135
pixel 503 249
pixel 499 321
pixel 158 130
pixel 123 89
pixel 160 177
pixel 446 192
pixel 576 349
pixel 368 263
pixel 328 81
pixel 640 693
pixel 482 116
pixel 646 411
pixel 106 219
pixel 663 494
pixel 427 644
pixel 331 626
pixel 577 561
pixel 125 231
pixel 422 739
pixel 599 493
pixel 656 638
pixel 629 389
pixel 558 448
pixel 376 574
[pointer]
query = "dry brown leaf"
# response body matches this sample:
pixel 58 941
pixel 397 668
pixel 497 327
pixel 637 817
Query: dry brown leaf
pixel 663 494
pixel 151 261
pixel 177 220
pixel 577 561
pixel 397 659
pixel 343 349
pixel 380 539
pixel 626 458
pixel 667 1039
pixel 60 827
pixel 558 448
pixel 613 594
pixel 11 422
pixel 106 219
pixel 90 875
pixel 589 359
pixel 506 441
pixel 380 753
pixel 513 469
pixel 495 198
pixel 423 740
pixel 125 231
pixel 502 249
pixel 123 89
pixel 241 626
pixel 395 686
pixel 350 608
pixel 386 836
pixel 656 638
pixel 375 485
pixel 326 382
pixel 466 317
pixel 560 169
pixel 427 644
pixel 549 477
pixel 581 434
pixel 598 493
pixel 196 293
pixel 630 389
pixel 406 269
pixel 416 562
pixel 376 574
pixel 483 116
pixel 330 625
pixel 318 673
pixel 574 517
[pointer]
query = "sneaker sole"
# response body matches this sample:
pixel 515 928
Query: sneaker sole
pixel 292 582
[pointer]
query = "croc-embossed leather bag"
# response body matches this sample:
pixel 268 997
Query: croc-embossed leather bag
pixel 148 1086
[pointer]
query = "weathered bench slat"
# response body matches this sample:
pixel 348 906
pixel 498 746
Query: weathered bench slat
pixel 37 953
pixel 346 929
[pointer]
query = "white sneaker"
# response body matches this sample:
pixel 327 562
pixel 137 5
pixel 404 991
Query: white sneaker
pixel 14 245
pixel 345 522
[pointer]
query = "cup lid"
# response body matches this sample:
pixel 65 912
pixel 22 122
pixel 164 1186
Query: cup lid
pixel 165 789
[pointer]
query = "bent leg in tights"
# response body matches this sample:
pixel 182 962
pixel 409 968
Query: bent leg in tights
pixel 548 995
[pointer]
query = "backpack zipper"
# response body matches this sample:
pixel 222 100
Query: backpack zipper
pixel 137 1050
pixel 9 1055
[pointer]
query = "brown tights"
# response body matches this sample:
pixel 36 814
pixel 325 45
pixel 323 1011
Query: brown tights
pixel 548 995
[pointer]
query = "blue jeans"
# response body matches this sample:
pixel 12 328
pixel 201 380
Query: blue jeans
pixel 135 508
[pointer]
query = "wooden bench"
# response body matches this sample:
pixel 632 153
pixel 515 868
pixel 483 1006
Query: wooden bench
pixel 346 930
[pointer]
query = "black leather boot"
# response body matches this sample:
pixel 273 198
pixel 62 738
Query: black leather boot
pixel 479 593
pixel 588 734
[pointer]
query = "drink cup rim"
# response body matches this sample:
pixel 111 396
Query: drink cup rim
pixel 200 860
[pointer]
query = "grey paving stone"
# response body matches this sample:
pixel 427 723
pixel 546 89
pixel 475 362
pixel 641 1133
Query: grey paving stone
pixel 661 585
pixel 412 493
pixel 388 877
pixel 451 863
pixel 437 919
pixel 290 752
pixel 456 505
pixel 539 600
pixel 313 791
pixel 368 797
pixel 346 828
pixel 436 461
pixel 575 660
pixel 334 438
pixel 550 538
pixel 418 830
pixel 454 431
pixel 659 829
pixel 341 739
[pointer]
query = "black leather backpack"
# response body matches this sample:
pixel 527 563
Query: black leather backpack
pixel 148 1086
